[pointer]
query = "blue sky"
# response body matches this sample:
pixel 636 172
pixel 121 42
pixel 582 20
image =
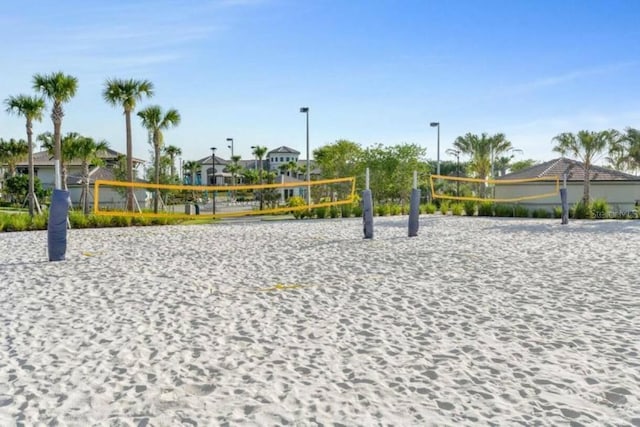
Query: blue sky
pixel 372 72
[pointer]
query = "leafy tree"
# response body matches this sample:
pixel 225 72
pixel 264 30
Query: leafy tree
pixel 522 164
pixel 391 169
pixel 31 108
pixel 341 159
pixel 587 147
pixel 12 152
pixel 17 188
pixel 156 121
pixel 59 88
pixel 126 93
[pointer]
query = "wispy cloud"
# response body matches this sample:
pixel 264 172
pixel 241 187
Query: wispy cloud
pixel 567 77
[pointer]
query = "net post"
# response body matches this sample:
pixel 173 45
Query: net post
pixel 564 200
pixel 414 207
pixel 367 209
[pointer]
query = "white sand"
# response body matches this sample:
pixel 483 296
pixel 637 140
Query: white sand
pixel 475 321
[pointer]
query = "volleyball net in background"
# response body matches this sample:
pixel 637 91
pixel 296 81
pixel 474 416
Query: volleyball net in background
pixel 186 201
pixel 493 190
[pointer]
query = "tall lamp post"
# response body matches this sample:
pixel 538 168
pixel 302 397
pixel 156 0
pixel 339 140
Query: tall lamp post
pixel 456 153
pixel 230 146
pixel 305 110
pixel 213 179
pixel 433 125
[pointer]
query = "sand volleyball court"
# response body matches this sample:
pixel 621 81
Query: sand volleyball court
pixel 475 321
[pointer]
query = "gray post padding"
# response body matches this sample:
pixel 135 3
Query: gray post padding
pixel 367 214
pixel 414 212
pixel 57 228
pixel 565 206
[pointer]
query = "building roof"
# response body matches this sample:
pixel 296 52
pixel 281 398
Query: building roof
pixel 283 150
pixel 219 161
pixel 43 158
pixel 574 170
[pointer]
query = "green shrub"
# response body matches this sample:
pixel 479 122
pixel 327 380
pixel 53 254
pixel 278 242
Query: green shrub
pixel 521 212
pixel 334 212
pixel 581 211
pixel 320 212
pixel 395 209
pixel 123 221
pixel 99 221
pixel 382 209
pixel 78 220
pixel 295 202
pixel 140 221
pixel 428 208
pixel 600 209
pixel 504 210
pixel 346 210
pixel 469 207
pixel 357 210
pixel 405 209
pixel 457 209
pixel 541 213
pixel 18 222
pixel 39 221
pixel 485 209
pixel 444 207
pixel 557 212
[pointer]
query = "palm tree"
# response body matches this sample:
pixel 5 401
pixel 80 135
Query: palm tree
pixel 172 151
pixel 624 153
pixel 58 88
pixel 155 121
pixel 234 168
pixel 31 108
pixel 86 150
pixel 482 150
pixel 191 167
pixel 587 147
pixel 259 152
pixel 12 152
pixel 67 153
pixel 126 93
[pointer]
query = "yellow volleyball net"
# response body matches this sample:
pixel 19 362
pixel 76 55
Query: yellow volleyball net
pixel 139 199
pixel 493 190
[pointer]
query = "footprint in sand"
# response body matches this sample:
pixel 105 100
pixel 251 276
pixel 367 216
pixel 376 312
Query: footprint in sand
pixel 199 389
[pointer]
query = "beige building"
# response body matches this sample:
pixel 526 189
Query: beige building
pixel 620 190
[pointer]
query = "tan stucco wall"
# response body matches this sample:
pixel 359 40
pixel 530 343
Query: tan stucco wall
pixel 622 196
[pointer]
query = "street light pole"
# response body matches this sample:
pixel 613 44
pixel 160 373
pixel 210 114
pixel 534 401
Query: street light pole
pixel 230 146
pixel 305 110
pixel 437 124
pixel 213 179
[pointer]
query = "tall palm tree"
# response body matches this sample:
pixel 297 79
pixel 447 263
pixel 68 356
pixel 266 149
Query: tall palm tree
pixel 259 152
pixel 12 152
pixel 58 88
pixel 31 108
pixel 67 153
pixel 126 93
pixel 155 121
pixel 87 150
pixel 587 147
pixel 172 151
